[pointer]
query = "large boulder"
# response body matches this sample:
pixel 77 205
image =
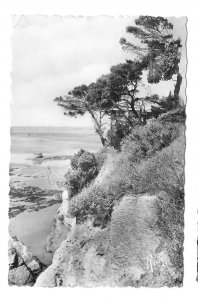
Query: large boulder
pixel 24 268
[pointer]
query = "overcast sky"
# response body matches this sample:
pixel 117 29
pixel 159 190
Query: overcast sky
pixel 51 55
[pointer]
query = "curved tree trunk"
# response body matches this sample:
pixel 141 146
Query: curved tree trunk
pixel 97 126
pixel 177 86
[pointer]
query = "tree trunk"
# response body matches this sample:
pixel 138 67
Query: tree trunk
pixel 97 126
pixel 134 111
pixel 103 140
pixel 177 86
pixel 99 131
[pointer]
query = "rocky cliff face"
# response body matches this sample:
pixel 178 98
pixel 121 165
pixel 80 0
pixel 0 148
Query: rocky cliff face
pixel 128 252
pixel 24 268
pixel 62 225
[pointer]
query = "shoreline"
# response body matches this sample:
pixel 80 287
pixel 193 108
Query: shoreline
pixel 34 200
pixel 33 188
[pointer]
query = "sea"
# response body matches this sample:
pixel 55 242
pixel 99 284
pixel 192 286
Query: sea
pixel 32 226
pixel 28 141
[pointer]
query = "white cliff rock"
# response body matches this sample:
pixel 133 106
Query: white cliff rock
pixel 62 225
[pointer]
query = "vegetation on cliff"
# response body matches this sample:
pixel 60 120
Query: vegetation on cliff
pixel 144 144
pixel 113 101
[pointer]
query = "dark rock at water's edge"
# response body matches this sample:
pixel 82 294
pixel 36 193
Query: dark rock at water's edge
pixel 40 158
pixel 31 198
pixel 24 268
pixel 39 155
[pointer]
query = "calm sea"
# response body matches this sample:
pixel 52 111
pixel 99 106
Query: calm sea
pixel 27 141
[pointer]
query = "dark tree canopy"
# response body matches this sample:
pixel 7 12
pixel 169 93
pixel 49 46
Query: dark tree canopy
pixel 122 88
pixel 158 50
pixel 81 100
pixel 113 98
pixel 112 95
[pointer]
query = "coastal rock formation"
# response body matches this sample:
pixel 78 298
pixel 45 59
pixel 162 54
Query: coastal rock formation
pixel 62 225
pixel 125 253
pixel 137 250
pixel 24 268
pixel 80 260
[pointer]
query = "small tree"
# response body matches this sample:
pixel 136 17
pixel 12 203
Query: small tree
pixel 79 101
pixel 122 88
pixel 112 97
pixel 84 168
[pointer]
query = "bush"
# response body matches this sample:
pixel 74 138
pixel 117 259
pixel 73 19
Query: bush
pixel 84 161
pixel 170 226
pixel 163 175
pixel 102 155
pixel 158 171
pixel 117 133
pixel 164 171
pixel 84 170
pixel 146 140
pixel 94 202
pixel 151 161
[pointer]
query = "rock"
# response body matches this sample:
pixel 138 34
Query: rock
pixel 47 278
pixel 24 268
pixel 136 248
pixel 39 155
pixel 129 252
pixel 80 260
pixel 20 276
pixel 132 238
pixel 62 225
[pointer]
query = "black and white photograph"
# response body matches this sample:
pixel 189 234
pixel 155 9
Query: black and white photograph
pixel 97 156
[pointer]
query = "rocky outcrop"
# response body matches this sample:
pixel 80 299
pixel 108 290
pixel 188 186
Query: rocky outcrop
pixel 24 268
pixel 137 249
pixel 80 260
pixel 63 222
pixel 62 225
pixel 128 252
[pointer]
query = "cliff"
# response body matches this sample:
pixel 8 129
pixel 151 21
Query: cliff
pixel 126 253
pixel 62 225
pixel 135 246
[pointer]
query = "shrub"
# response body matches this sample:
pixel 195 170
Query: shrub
pixel 164 171
pixel 175 116
pixel 102 155
pixel 158 171
pixel 163 175
pixel 164 105
pixel 84 161
pixel 146 140
pixel 94 202
pixel 117 133
pixel 84 170
pixel 170 225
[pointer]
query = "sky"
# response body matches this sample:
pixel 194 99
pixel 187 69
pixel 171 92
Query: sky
pixel 52 55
